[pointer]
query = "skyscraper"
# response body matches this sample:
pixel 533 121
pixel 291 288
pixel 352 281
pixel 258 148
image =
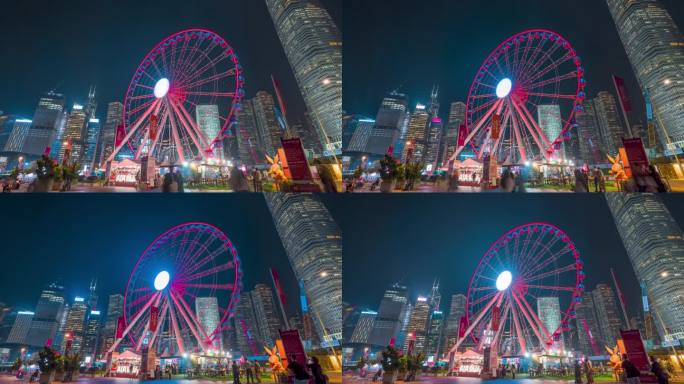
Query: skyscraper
pixel 456 311
pixel 363 131
pixel 267 125
pixel 91 335
pixel 45 123
pixel 76 123
pixel 207 311
pixel 47 314
pixel 433 142
pixel 389 122
pixel 20 328
pixel 114 311
pixel 550 121
pixel 655 47
pixel 364 327
pixel 418 326
pixel 313 243
pixel 19 131
pixel 456 118
pixel 607 313
pixel 246 331
pixel 548 310
pixel 590 145
pixel 588 331
pixel 313 46
pixel 391 313
pixel 610 125
pixel 251 150
pixel 108 136
pixel 91 143
pixel 75 324
pixel 434 335
pixel 267 314
pixel 416 135
pixel 655 246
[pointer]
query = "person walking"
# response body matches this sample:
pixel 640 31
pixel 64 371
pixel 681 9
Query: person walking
pixel 659 372
pixel 631 372
pixel 301 376
pixel 317 371
pixel 257 372
pixel 236 373
pixel 578 373
pixel 588 372
pixel 249 374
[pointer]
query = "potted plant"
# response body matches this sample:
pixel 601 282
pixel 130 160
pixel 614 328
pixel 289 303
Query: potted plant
pixel 72 363
pixel 390 364
pixel 47 362
pixel 59 369
pixel 45 172
pixel 389 173
pixel 412 172
pixel 413 364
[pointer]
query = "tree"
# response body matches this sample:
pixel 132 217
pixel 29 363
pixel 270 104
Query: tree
pixel 389 168
pixel 390 359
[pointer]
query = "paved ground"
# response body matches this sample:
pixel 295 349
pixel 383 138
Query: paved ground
pixel 335 378
pixel 472 380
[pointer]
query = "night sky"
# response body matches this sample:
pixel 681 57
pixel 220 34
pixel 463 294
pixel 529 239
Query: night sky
pixel 76 237
pixel 414 239
pixel 70 45
pixel 411 46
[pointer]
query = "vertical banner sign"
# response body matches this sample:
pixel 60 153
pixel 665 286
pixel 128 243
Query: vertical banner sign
pixel 652 136
pixel 279 95
pixel 293 346
pixel 496 318
pixel 154 318
pixel 496 126
pixel 462 326
pixel 154 127
pixel 486 162
pixel 462 135
pixel 636 352
pixel 120 326
pixel 296 159
pixel 46 151
pixel 623 94
pixel 120 134
pixel 636 153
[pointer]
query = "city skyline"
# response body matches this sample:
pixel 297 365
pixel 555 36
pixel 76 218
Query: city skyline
pixel 450 45
pixel 252 34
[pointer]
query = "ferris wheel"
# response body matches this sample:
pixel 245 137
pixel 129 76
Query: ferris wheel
pixel 524 291
pixel 187 267
pixel 523 99
pixel 182 99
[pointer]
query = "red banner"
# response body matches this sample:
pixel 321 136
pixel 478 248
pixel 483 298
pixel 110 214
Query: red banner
pixel 496 318
pixel 462 326
pixel 120 135
pixel 154 318
pixel 636 153
pixel 120 326
pixel 496 126
pixel 154 127
pixel 462 135
pixel 293 346
pixel 623 94
pixel 636 353
pixel 296 159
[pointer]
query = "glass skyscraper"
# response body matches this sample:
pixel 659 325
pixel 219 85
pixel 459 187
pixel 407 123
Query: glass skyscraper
pixel 655 47
pixel 313 45
pixel 390 319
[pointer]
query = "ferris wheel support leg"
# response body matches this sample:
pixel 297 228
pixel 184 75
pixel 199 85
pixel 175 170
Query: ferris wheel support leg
pixel 132 131
pixel 174 325
pixel 492 150
pixel 536 126
pixel 163 121
pixel 518 139
pixel 518 329
pixel 165 309
pixel 507 309
pixel 188 128
pixel 545 331
pixel 527 317
pixel 200 135
pixel 197 324
pixel 479 317
pixel 139 344
pixel 501 134
pixel 188 321
pixel 135 320
pixel 174 134
pixel 477 128
pixel 147 133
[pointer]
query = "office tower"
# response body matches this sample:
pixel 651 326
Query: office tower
pixel 588 330
pixel 267 125
pixel 418 326
pixel 607 313
pixel 250 148
pixel 246 332
pixel 404 323
pixel 313 243
pixel 549 311
pixel 655 246
pixel 364 327
pixel 309 335
pixel 208 120
pixel 313 46
pixel 108 137
pixel 114 311
pixel 267 314
pixel 610 125
pixel 456 119
pixel 363 130
pixel 45 123
pixel 433 142
pixel 457 310
pixel 391 313
pixel 550 121
pixel 60 129
pixel 389 121
pixel 655 47
pixel 5 130
pixel 19 130
pixel 415 147
pixel 20 328
pixel 91 335
pixel 207 311
pixel 48 312
pixel 75 323
pixel 588 133
pixel 76 123
pixel 91 143
pixel 9 315
pixel 434 335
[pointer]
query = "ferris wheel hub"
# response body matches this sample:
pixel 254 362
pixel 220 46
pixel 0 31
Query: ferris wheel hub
pixel 504 280
pixel 162 280
pixel 162 88
pixel 504 88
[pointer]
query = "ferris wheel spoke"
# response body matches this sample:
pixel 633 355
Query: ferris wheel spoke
pixel 551 258
pixel 518 138
pixel 567 268
pixel 483 298
pixel 193 317
pixel 535 324
pixel 141 299
pixel 200 263
pixel 535 63
pixel 142 107
pixel 484 288
pixel 552 80
pixel 210 79
pixel 162 321
pixel 538 73
pixel 532 127
pixel 175 135
pixel 224 287
pixel 215 94
pixel 208 272
pixel 188 127
pixel 212 63
pixel 554 288
pixel 175 327
pixel 142 97
pixel 553 96
pixel 203 140
pixel 191 67
pixel 188 320
pixel 518 329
